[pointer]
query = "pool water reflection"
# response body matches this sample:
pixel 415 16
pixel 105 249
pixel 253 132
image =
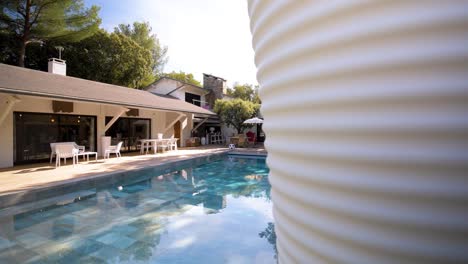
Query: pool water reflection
pixel 218 212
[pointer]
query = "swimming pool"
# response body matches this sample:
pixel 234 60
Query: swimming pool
pixel 214 212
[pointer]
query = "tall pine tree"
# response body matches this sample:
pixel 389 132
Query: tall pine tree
pixel 28 21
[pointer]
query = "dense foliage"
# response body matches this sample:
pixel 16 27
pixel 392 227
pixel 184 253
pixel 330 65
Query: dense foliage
pixel 131 56
pixel 110 58
pixel 183 77
pixel 245 92
pixel 23 22
pixel 234 112
pixel 104 57
pixel 141 34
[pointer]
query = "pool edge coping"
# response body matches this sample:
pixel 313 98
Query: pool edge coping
pixel 9 197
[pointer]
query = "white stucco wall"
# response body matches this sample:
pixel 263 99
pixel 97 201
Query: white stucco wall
pixel 186 125
pixel 158 122
pixel 44 105
pixel 170 117
pixel 164 86
pixel 6 136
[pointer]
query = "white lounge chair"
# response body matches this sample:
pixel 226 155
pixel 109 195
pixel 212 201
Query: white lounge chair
pixel 113 150
pixel 52 148
pixel 64 151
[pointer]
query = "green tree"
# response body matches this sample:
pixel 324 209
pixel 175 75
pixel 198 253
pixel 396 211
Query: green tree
pixel 183 77
pixel 245 92
pixel 28 21
pixel 141 34
pixel 8 48
pixel 110 58
pixel 234 112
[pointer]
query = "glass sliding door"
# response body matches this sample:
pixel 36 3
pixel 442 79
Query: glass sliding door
pixel 79 129
pixel 129 131
pixel 34 132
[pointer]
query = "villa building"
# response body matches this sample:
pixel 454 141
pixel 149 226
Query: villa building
pixel 213 88
pixel 38 108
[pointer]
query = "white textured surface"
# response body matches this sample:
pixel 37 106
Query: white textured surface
pixel 366 114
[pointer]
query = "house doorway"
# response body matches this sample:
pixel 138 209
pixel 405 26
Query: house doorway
pixel 177 132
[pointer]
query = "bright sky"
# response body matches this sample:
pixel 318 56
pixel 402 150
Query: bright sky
pixel 203 36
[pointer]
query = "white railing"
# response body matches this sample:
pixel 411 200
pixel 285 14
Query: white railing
pixel 366 115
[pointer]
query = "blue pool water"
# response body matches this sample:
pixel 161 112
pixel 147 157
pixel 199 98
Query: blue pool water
pixel 217 212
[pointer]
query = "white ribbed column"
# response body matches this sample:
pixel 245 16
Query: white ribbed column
pixel 366 115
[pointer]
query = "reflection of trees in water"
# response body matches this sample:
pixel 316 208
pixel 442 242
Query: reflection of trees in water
pixel 149 238
pixel 145 250
pixel 253 188
pixel 270 235
pixel 238 177
pixel 210 191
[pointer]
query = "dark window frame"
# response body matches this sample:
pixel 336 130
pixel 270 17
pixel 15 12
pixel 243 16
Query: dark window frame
pixel 108 118
pixel 193 96
pixel 15 113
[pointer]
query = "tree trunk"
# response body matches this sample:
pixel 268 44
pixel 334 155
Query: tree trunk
pixel 25 37
pixel 21 53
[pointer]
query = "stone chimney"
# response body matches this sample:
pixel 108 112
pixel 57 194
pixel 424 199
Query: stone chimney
pixel 57 66
pixel 217 86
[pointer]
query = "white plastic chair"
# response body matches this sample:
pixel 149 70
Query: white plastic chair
pixel 64 151
pixel 164 145
pixel 173 144
pixel 214 139
pixel 113 150
pixel 145 145
pixel 221 138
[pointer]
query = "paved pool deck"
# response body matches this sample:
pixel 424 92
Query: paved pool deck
pixel 42 175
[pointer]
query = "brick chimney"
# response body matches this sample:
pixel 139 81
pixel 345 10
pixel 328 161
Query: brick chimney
pixel 217 86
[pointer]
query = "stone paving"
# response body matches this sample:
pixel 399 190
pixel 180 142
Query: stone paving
pixel 29 177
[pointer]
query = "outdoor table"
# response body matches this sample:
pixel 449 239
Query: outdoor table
pixel 86 153
pixel 145 144
pixel 155 142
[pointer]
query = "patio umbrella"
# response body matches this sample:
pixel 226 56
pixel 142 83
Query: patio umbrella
pixel 254 120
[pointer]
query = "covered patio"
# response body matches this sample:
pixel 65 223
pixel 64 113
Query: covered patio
pixel 38 108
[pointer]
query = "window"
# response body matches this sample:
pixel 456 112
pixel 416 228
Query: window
pixel 129 131
pixel 193 99
pixel 34 132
